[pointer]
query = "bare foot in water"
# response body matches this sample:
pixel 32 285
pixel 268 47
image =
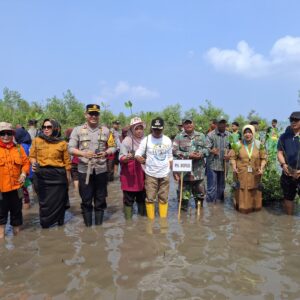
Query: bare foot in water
pixel 26 205
pixel 2 231
pixel 16 230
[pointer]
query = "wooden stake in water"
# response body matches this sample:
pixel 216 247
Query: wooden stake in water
pixel 180 197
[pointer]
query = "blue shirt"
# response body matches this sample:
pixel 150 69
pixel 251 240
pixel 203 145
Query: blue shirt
pixel 290 145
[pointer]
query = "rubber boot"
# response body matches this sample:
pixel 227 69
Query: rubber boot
pixel 128 211
pixel 163 209
pixel 150 208
pixel 141 209
pixel 87 218
pixel 61 220
pixel 184 204
pixel 99 217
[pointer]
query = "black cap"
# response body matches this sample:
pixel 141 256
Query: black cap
pixel 92 107
pixel 32 122
pixel 187 120
pixel 116 122
pixel 295 115
pixel 157 123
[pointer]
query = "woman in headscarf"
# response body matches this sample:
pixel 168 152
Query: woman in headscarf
pixel 248 161
pixel 23 138
pixel 51 163
pixel 132 174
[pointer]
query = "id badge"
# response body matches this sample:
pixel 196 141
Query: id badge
pixel 249 169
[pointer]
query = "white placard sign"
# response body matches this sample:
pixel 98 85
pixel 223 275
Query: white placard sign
pixel 182 165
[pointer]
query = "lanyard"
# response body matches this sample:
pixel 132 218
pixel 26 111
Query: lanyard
pixel 251 151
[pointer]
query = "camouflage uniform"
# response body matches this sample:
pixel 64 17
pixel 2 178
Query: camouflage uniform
pixel 183 146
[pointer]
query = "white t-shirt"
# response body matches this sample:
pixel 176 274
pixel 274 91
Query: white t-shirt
pixel 158 156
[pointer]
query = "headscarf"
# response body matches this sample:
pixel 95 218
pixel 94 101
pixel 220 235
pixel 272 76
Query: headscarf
pixel 55 137
pixel 251 128
pixel 131 142
pixel 22 136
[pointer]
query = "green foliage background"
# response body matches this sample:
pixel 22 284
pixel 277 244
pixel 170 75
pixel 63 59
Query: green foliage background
pixel 69 111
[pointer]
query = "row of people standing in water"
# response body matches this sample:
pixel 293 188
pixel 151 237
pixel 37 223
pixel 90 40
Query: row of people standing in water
pixel 146 163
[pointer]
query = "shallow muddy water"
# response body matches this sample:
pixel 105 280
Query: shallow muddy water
pixel 219 255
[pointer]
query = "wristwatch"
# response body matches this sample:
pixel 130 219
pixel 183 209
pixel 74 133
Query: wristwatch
pixel 282 164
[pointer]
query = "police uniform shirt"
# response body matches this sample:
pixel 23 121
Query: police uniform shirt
pixel 85 138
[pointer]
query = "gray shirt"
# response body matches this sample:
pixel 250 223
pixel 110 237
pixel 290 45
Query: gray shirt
pixel 216 139
pixel 85 138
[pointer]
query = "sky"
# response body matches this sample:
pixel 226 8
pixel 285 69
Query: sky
pixel 240 55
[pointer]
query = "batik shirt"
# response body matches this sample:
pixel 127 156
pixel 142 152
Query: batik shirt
pixel 216 139
pixel 184 145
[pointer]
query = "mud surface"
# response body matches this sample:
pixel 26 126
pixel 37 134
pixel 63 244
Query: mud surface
pixel 219 255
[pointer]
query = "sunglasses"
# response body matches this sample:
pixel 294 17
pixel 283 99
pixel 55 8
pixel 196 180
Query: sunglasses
pixel 8 133
pixel 47 127
pixel 94 114
pixel 294 120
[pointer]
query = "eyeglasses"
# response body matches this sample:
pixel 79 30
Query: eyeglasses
pixel 47 127
pixel 294 120
pixel 94 114
pixel 8 133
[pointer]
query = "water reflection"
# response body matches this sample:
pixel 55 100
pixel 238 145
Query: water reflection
pixel 219 255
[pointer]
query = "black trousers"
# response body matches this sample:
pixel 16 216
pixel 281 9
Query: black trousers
pixel 11 203
pixel 93 195
pixel 130 197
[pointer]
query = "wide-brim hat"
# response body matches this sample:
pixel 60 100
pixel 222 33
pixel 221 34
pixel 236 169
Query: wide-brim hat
pixel 137 121
pixel 4 126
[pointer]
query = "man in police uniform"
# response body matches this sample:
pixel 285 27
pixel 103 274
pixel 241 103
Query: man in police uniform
pixel 92 143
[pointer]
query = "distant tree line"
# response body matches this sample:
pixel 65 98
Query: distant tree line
pixel 69 111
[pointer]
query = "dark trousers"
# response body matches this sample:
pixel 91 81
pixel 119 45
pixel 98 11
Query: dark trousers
pixel 215 185
pixel 130 197
pixel 11 203
pixel 93 193
pixel 110 169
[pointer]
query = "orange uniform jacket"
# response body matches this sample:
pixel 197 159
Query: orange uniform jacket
pixel 13 162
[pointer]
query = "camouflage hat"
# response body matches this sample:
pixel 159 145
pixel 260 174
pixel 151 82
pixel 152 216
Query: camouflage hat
pixel 222 119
